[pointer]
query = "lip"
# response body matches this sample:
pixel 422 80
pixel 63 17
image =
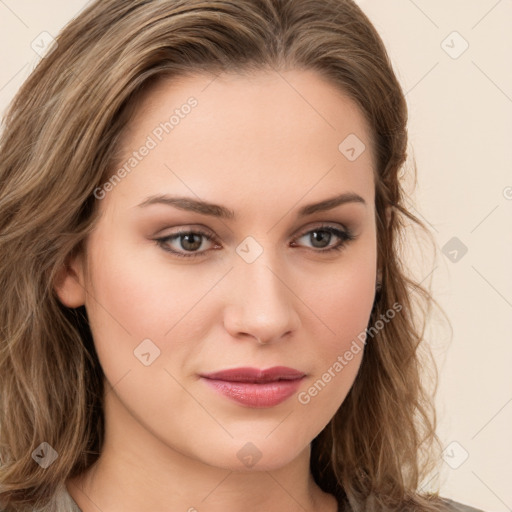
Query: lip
pixel 256 388
pixel 255 375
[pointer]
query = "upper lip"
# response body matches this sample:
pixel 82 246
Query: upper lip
pixel 247 374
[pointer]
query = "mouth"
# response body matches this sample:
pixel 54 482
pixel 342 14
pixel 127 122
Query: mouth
pixel 255 375
pixel 252 387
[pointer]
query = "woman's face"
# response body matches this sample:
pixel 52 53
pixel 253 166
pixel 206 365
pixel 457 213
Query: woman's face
pixel 263 292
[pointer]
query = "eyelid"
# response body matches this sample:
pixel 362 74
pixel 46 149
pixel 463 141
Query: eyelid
pixel 208 233
pixel 322 225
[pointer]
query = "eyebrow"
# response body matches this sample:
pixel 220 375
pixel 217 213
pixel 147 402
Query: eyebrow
pixel 215 210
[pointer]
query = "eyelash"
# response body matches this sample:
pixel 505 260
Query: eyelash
pixel 345 236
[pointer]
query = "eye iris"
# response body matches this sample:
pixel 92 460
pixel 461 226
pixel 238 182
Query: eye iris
pixel 189 239
pixel 321 236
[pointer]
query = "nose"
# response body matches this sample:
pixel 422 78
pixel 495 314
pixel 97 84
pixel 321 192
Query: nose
pixel 260 303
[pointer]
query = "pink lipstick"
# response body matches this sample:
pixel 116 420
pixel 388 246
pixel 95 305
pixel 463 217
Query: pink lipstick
pixel 256 388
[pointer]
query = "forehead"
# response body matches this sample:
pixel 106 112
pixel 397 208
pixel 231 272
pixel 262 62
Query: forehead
pixel 259 135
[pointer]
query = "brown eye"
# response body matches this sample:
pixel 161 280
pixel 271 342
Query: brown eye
pixel 187 241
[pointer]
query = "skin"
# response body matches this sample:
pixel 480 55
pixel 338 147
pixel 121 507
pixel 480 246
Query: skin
pixel 263 146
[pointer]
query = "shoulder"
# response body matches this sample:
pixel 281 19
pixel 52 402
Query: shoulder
pixel 455 506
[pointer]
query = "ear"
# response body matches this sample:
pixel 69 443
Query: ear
pixel 69 284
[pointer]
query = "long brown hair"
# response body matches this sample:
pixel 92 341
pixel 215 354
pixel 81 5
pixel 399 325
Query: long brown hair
pixel 59 144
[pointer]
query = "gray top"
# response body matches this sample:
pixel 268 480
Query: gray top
pixel 63 502
pixel 459 507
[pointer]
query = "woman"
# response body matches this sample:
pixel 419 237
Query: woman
pixel 204 306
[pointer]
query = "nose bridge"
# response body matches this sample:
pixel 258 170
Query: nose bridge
pixel 261 304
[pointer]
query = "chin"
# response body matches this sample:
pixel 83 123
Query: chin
pixel 250 456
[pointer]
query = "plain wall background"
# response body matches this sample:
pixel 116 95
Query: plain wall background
pixel 460 129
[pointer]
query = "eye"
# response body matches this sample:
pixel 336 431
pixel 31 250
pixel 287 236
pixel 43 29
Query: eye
pixel 188 242
pixel 321 237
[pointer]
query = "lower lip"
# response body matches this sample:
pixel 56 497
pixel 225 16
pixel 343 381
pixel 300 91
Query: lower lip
pixel 251 394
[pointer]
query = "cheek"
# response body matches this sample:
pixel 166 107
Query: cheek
pixel 134 298
pixel 341 303
pixel 345 309
pixel 350 296
pixel 342 297
pixel 130 289
pixel 122 305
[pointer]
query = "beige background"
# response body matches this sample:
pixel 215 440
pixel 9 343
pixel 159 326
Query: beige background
pixel 460 135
